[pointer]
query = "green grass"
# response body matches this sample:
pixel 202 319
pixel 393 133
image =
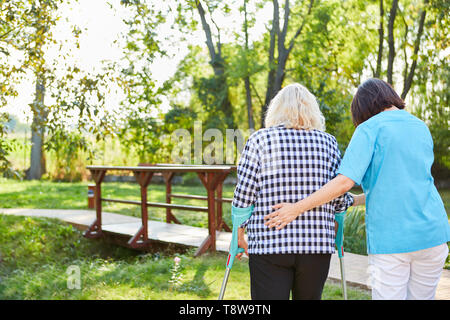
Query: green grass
pixel 37 253
pixel 445 195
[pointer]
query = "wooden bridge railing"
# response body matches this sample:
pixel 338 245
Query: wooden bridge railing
pixel 212 178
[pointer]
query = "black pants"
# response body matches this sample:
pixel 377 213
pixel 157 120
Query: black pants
pixel 274 276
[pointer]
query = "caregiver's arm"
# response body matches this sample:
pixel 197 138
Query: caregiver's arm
pixel 287 212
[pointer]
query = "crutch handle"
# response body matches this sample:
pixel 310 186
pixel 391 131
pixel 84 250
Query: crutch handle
pixel 340 218
pixel 238 217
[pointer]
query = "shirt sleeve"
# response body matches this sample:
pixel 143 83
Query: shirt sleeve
pixel 344 201
pixel 358 155
pixel 247 171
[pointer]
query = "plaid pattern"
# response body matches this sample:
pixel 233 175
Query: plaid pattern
pixel 286 165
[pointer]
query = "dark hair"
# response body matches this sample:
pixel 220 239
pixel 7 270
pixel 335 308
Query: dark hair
pixel 373 96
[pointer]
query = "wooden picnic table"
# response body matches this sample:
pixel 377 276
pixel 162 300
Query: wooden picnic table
pixel 211 176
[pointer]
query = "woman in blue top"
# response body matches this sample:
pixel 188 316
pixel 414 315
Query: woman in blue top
pixel 390 156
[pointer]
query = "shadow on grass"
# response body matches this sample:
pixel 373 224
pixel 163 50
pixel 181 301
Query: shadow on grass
pixel 197 285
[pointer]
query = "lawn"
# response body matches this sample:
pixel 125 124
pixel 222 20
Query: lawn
pixel 39 254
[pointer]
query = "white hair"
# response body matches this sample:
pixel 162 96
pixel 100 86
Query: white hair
pixel 295 107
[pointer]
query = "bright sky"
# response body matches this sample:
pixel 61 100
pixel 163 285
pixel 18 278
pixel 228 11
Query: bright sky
pixel 103 21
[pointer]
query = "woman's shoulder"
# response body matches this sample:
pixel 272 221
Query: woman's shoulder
pixel 390 119
pixel 263 134
pixel 266 134
pixel 325 135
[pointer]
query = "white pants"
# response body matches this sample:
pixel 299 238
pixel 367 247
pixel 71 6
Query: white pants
pixel 412 275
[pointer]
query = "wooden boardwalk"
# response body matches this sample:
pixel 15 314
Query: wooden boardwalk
pixel 117 224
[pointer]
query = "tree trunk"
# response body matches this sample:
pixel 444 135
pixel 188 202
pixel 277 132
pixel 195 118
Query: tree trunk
pixel 248 92
pixel 37 158
pixel 280 73
pixel 271 76
pixel 218 64
pixel 380 41
pixel 248 99
pixel 276 74
pixel 283 53
pixel 392 14
pixel 408 79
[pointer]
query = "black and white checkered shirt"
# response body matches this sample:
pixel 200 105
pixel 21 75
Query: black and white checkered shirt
pixel 286 165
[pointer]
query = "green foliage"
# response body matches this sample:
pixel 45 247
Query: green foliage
pixel 5 144
pixel 142 132
pixel 431 97
pixel 27 28
pixel 179 117
pixel 80 105
pixel 329 58
pixel 213 94
pixel 142 128
pixel 11 24
pixel 191 68
pixel 355 231
pixel 335 51
pixel 67 147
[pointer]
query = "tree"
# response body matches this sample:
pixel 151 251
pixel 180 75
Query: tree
pixel 248 91
pixel 391 55
pixel 42 17
pixel 408 75
pixel 334 61
pixel 212 90
pixel 142 127
pixel 77 95
pixel 218 84
pixel 430 97
pixel 5 146
pixel 409 60
pixel 33 23
pixel 278 36
pixel 11 25
pixel 245 65
pixel 380 42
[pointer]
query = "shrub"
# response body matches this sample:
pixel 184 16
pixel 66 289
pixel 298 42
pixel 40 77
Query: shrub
pixel 355 231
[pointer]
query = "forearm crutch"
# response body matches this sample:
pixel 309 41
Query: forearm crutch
pixel 340 218
pixel 238 217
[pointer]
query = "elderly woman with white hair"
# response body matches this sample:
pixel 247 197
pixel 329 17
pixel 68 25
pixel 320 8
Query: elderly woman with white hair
pixel 285 162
